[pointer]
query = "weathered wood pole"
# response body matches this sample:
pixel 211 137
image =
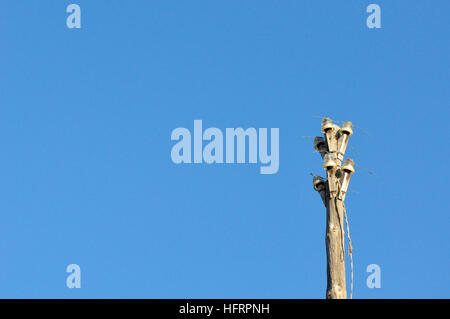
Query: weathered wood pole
pixel 329 191
pixel 334 239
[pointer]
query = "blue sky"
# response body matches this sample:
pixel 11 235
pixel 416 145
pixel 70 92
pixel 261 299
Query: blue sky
pixel 87 178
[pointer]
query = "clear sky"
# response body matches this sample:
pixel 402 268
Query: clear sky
pixel 86 175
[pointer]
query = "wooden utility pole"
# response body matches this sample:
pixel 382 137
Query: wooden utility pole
pixel 332 191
